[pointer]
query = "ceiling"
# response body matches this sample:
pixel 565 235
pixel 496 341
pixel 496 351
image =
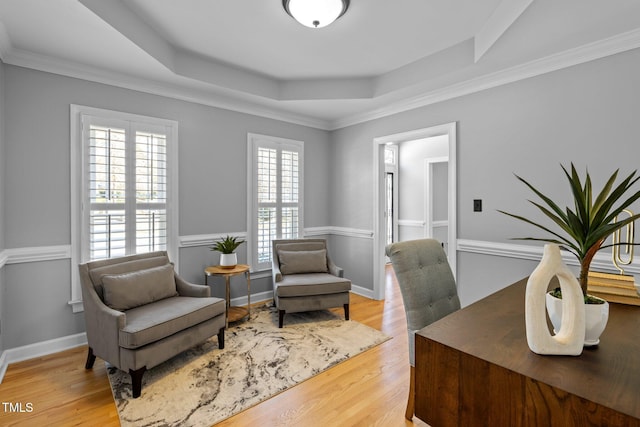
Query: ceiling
pixel 381 57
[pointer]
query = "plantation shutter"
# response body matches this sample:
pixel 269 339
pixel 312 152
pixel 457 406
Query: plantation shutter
pixel 126 188
pixel 151 191
pixel 278 194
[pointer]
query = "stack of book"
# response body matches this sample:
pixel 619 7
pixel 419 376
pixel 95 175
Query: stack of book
pixel 613 287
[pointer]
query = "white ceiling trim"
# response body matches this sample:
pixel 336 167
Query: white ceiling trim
pixel 500 20
pixel 589 52
pixel 600 49
pixel 199 96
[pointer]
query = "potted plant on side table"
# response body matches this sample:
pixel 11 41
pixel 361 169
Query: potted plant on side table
pixel 583 230
pixel 227 247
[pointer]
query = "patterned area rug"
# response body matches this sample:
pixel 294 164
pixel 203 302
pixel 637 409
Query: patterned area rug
pixel 205 385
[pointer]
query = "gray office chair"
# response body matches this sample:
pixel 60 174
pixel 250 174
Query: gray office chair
pixel 428 290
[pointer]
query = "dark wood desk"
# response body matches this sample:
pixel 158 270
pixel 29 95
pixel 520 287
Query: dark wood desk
pixel 474 368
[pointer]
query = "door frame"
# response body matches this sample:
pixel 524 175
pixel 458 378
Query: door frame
pixel 448 129
pixel 429 223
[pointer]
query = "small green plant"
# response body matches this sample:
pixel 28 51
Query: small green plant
pixel 584 229
pixel 588 299
pixel 228 245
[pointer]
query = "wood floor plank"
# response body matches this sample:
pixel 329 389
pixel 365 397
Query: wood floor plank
pixel 369 389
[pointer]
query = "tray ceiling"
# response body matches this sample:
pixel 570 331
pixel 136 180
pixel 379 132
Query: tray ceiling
pixel 379 58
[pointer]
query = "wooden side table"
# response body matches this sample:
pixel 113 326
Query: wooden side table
pixel 233 313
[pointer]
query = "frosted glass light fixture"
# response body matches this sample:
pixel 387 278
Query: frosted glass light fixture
pixel 315 13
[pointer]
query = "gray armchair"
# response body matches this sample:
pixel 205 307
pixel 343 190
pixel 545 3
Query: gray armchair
pixel 305 278
pixel 428 290
pixel 139 312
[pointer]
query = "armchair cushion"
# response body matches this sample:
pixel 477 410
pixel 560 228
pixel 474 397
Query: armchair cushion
pixel 312 284
pixel 136 263
pixel 152 322
pixel 300 262
pixel 125 291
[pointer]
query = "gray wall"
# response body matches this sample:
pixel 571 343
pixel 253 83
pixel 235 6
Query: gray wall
pixel 588 114
pixel 2 183
pixel 212 153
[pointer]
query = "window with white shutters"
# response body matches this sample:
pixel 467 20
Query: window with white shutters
pixel 275 195
pixel 124 184
pixel 127 189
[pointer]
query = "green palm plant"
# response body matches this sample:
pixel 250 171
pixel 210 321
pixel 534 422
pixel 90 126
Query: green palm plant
pixel 227 245
pixel 584 229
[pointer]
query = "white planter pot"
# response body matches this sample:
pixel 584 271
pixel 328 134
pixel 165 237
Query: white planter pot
pixel 596 318
pixel 228 260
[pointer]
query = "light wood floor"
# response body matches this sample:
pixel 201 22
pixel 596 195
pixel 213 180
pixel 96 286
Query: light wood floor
pixel 367 390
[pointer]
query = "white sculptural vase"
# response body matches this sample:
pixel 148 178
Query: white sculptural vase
pixel 569 337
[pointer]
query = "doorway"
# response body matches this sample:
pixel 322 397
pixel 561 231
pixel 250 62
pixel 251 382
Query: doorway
pixel 381 223
pixel 436 187
pixel 391 193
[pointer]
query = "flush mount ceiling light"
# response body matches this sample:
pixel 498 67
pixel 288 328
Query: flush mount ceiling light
pixel 315 13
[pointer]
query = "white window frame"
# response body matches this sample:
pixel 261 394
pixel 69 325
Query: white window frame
pixel 254 142
pixel 79 228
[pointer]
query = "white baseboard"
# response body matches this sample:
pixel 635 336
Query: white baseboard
pixel 255 298
pixel 43 348
pixel 3 365
pixel 367 293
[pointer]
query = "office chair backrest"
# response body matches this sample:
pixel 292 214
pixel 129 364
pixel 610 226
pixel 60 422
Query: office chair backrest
pixel 426 282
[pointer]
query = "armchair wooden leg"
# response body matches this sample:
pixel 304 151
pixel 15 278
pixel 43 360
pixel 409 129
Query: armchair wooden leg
pixel 346 312
pixel 221 339
pixel 91 358
pixel 136 381
pixel 411 401
pixel 280 318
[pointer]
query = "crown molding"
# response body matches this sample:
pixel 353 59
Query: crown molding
pixel 590 52
pixel 205 94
